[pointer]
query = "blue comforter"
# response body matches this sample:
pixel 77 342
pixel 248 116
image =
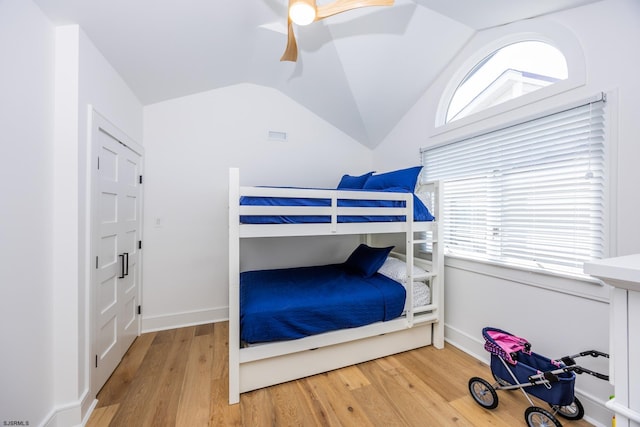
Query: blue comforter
pixel 292 303
pixel 420 211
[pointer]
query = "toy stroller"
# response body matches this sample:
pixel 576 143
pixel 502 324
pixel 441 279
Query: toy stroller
pixel 514 365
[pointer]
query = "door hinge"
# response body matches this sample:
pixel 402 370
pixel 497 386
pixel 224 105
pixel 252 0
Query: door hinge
pixel 96 262
pixel 140 179
pixel 98 162
pixel 96 360
pixel 139 309
pixel 139 244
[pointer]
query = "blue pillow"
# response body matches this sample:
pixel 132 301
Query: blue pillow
pixel 420 210
pixel 353 182
pixel 403 178
pixel 366 261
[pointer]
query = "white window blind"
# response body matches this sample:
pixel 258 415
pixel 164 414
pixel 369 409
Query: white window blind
pixel 528 195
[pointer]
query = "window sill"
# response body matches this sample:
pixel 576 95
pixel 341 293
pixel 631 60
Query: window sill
pixel 579 286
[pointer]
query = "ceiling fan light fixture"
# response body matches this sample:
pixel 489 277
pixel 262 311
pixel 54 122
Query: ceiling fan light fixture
pixel 302 12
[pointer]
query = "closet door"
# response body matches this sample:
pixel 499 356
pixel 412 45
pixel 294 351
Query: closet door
pixel 129 238
pixel 116 240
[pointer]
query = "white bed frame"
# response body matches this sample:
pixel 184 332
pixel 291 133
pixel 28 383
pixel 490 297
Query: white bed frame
pixel 258 366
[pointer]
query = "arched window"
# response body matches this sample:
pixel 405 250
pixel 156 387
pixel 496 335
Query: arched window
pixel 517 157
pixel 507 73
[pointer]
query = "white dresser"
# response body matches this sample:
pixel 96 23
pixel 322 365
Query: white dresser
pixel 623 273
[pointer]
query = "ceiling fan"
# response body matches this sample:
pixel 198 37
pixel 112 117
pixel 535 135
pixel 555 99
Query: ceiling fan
pixel 304 12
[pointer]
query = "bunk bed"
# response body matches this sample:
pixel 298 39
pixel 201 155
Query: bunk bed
pixel 413 287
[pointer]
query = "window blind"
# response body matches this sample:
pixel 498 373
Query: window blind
pixel 530 194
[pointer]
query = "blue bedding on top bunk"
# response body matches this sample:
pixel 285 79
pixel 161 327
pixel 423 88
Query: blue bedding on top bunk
pixel 420 211
pixel 292 303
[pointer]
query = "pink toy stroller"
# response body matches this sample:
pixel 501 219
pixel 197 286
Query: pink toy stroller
pixel 515 366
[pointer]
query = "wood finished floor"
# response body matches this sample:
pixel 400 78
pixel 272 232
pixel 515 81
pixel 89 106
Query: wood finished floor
pixel 179 378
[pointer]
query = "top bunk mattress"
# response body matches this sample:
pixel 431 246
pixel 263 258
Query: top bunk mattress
pixel 420 211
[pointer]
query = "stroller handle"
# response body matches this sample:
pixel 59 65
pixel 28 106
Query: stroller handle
pixel 581 370
pixel 552 376
pixel 571 363
pixel 568 360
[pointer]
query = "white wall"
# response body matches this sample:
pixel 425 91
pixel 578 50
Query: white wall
pixel 190 143
pixel 49 76
pixel 83 78
pixel 557 323
pixel 26 171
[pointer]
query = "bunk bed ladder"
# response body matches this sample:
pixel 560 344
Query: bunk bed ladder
pixel 234 286
pixel 410 251
pixel 437 262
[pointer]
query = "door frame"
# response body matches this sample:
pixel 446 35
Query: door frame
pixel 98 121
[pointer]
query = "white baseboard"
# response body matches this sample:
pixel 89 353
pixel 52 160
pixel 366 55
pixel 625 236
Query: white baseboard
pixel 69 415
pixel 181 320
pixel 473 346
pixel 50 420
pixel 64 416
pixel 87 414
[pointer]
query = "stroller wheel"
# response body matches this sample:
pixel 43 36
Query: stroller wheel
pixel 538 417
pixel 574 411
pixel 483 393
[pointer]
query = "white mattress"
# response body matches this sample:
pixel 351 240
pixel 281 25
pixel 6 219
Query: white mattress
pixel 421 295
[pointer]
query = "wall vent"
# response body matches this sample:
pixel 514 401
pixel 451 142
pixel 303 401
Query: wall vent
pixel 277 136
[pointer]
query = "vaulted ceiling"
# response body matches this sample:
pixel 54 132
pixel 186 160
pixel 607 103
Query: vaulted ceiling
pixel 361 70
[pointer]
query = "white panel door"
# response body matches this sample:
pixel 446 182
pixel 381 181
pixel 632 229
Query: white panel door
pixel 129 231
pixel 115 241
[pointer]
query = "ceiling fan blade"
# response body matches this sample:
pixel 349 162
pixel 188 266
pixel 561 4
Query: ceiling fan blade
pixel 340 6
pixel 291 51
